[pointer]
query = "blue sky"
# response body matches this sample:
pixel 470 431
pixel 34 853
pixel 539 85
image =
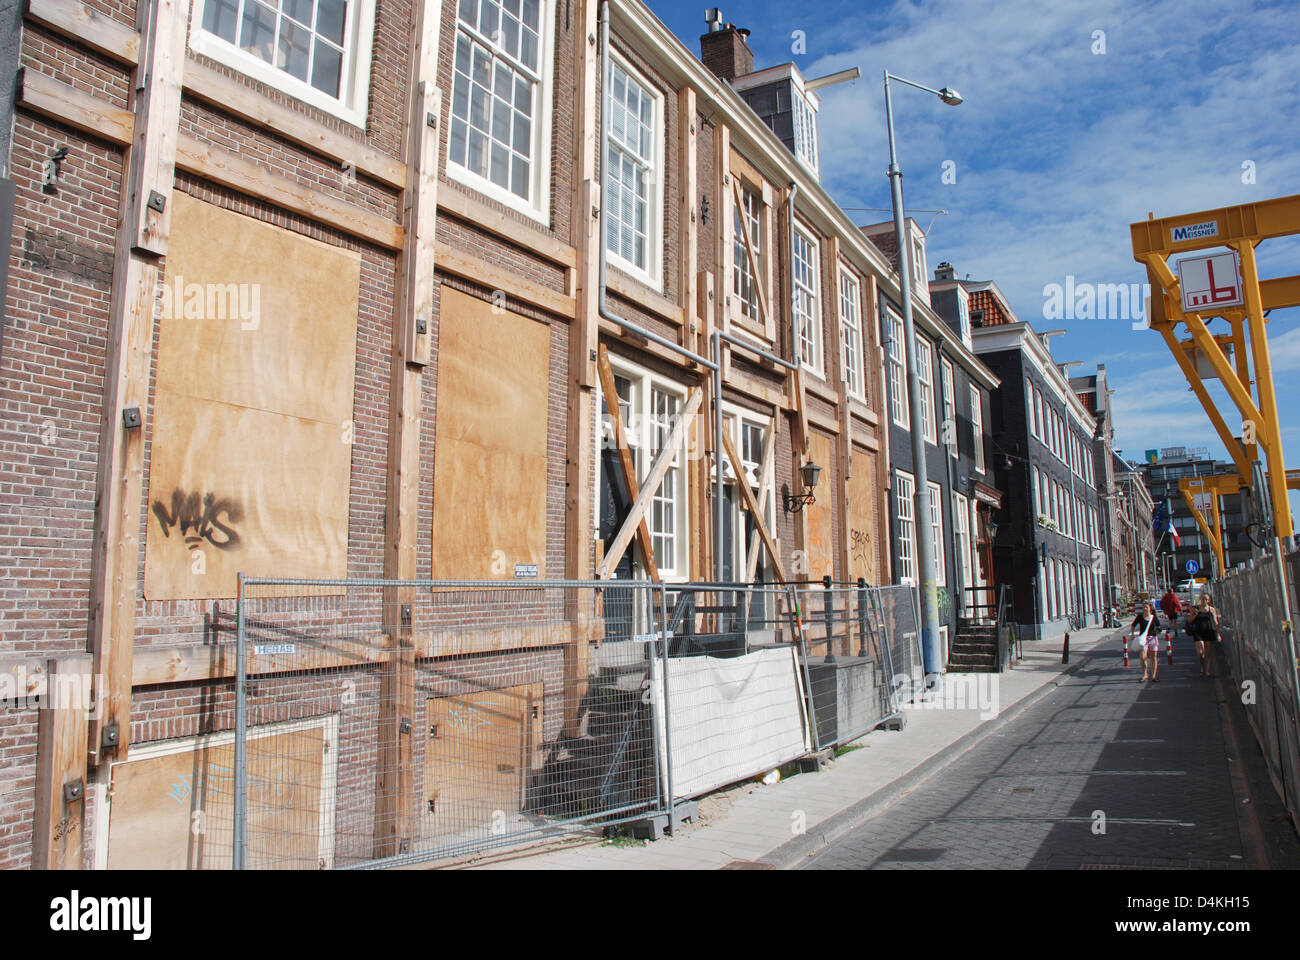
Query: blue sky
pixel 1057 149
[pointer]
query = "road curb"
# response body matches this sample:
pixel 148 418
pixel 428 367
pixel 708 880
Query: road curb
pixel 793 852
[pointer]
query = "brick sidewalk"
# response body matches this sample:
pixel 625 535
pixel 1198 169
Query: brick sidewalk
pixel 753 822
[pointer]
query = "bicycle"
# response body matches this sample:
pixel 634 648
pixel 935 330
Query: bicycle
pixel 1076 621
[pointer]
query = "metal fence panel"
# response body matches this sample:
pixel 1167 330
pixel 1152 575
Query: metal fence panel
pixel 381 723
pixel 1261 654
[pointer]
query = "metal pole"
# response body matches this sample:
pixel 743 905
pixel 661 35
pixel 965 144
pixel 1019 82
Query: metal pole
pixel 929 599
pixel 239 856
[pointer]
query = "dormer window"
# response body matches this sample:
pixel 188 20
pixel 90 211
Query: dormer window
pixel 805 131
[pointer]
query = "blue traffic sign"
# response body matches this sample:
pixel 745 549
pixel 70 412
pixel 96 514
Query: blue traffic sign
pixel 1192 567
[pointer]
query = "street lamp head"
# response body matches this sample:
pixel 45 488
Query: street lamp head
pixel 950 96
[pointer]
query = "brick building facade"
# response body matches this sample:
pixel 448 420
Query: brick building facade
pixel 413 201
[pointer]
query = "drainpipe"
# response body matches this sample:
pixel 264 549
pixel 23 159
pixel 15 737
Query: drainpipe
pixel 602 302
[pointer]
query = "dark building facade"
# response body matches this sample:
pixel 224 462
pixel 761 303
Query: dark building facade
pixel 1048 545
pixel 955 389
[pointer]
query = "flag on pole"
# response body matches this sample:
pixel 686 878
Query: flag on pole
pixel 1169 524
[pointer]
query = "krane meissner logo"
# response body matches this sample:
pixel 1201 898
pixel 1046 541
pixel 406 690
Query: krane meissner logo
pixel 73 914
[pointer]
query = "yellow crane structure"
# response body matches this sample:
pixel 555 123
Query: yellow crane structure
pixel 1239 356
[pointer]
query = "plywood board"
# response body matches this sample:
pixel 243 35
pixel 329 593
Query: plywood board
pixel 481 753
pixel 489 483
pixel 172 805
pixel 864 525
pixel 256 365
pixel 819 518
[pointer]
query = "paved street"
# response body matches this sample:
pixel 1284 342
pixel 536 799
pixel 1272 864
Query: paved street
pixel 1105 772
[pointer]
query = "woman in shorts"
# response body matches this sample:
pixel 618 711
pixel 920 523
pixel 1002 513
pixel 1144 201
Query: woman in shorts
pixel 1146 634
pixel 1205 627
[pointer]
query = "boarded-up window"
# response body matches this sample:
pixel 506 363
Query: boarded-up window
pixel 819 518
pixel 172 803
pixel 489 476
pixel 864 523
pixel 251 444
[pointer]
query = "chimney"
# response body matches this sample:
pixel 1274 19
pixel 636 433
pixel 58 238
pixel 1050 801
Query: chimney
pixel 944 271
pixel 725 48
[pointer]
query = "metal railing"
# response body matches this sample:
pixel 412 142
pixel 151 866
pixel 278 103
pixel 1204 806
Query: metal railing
pixel 1256 605
pixel 382 722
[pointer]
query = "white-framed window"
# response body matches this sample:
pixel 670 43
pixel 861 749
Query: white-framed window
pixel 743 282
pixel 905 502
pixel 1038 415
pixel 805 131
pixel 925 373
pixel 851 333
pixel 807 301
pixel 899 411
pixel 748 432
pixel 919 277
pixel 499 143
pixel 961 543
pixel 649 405
pixel 634 180
pixel 1038 506
pixel 317 51
pixel 977 426
pixel 949 406
pixel 940 550
pixel 963 318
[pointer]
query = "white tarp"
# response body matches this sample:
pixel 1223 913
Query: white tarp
pixel 731 718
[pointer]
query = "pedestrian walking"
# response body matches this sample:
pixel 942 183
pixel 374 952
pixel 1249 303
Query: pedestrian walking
pixel 1146 634
pixel 1204 626
pixel 1170 606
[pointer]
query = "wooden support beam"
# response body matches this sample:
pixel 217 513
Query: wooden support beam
pixel 455 201
pixel 704 475
pixel 625 459
pixel 59 824
pixel 84 23
pixel 394 825
pixel 233 96
pixel 460 264
pixel 747 501
pixel 671 449
pixel 239 173
pixel 142 237
pixel 755 266
pixel 644 298
pixel 584 336
pixel 799 407
pixel 688 228
pixel 61 101
pixel 766 475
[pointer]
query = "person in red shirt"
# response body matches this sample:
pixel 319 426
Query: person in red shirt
pixel 1170 605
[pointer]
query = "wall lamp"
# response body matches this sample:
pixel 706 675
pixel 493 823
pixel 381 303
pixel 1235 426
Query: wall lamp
pixel 809 473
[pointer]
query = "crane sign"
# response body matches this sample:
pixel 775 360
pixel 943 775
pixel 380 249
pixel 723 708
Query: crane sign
pixel 1211 282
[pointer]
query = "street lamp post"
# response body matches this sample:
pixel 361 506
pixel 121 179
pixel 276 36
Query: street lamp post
pixel 925 546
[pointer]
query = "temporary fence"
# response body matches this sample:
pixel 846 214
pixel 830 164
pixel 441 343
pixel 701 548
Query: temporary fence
pixel 1257 604
pixel 380 723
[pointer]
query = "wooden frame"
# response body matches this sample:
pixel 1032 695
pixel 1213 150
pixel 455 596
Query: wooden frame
pixel 59 824
pixel 142 237
pixel 610 391
pixel 658 469
pixel 747 499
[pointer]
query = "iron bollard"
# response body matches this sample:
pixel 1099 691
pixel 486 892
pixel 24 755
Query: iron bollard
pixel 1126 649
pixel 862 616
pixel 828 612
pixel 1169 646
pixel 1065 650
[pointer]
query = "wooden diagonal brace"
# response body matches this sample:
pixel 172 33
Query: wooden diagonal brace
pixel 754 267
pixel 618 546
pixel 747 500
pixel 625 459
pixel 764 488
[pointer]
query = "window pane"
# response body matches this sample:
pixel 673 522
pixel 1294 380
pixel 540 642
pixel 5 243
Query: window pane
pixel 327 69
pixel 258 33
pixel 331 18
pixel 457 147
pixel 299 10
pixel 295 49
pixel 528 49
pixel 532 14
pixel 519 177
pixel 469 12
pixel 221 17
